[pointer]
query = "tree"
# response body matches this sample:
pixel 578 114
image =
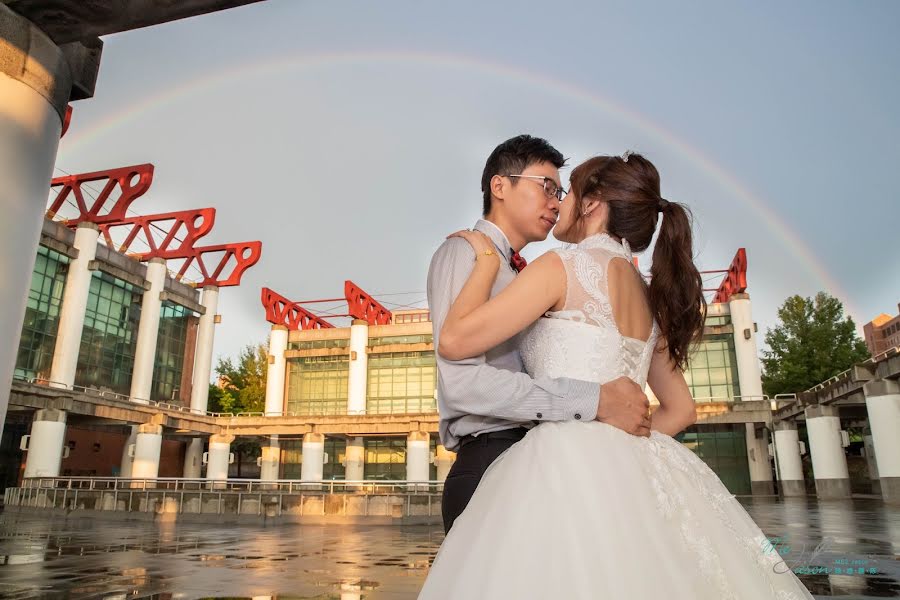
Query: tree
pixel 812 342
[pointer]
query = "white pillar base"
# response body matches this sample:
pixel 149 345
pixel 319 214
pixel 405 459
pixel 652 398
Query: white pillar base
pixel 312 467
pixel 789 463
pixel 827 452
pixel 46 443
pixel 219 457
pixel 193 459
pixel 270 462
pixel 758 460
pixel 146 452
pixel 356 460
pixel 418 456
pixel 128 454
pixel 883 406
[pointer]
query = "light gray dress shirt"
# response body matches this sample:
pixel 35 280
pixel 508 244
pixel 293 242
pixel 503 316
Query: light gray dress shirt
pixel 492 392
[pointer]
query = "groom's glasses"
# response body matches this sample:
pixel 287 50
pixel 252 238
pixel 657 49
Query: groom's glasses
pixel 551 189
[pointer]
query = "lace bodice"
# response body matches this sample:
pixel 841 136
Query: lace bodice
pixel 582 341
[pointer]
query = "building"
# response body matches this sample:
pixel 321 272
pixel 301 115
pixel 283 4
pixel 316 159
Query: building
pixel 882 333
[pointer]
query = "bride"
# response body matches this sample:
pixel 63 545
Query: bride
pixel 649 519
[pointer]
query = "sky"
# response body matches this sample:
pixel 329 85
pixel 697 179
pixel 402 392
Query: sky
pixel 349 137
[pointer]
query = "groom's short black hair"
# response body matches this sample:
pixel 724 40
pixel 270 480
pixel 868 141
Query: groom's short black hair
pixel 514 156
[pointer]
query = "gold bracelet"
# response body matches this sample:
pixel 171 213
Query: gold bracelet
pixel 485 253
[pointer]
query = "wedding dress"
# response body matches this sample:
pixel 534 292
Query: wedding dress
pixel 581 509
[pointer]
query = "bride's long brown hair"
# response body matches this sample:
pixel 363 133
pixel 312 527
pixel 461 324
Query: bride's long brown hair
pixel 630 185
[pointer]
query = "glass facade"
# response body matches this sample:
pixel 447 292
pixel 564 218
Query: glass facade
pixel 106 357
pixel 48 280
pixel 724 448
pixel 385 458
pixel 712 367
pixel 170 348
pixel 317 385
pixel 401 382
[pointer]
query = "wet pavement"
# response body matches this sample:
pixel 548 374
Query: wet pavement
pixel 839 549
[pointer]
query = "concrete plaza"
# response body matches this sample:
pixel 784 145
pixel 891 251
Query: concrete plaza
pixel 102 557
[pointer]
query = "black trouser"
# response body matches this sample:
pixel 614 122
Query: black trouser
pixel 473 457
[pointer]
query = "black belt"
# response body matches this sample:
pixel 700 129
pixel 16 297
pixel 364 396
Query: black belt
pixel 516 433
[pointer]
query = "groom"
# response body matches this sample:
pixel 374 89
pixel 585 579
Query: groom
pixel 488 403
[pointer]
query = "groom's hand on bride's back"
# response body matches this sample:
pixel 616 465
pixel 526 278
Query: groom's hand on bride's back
pixel 624 404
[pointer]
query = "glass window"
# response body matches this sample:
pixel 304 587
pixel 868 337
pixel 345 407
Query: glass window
pixel 401 382
pixel 42 307
pixel 385 458
pixel 722 447
pixel 106 356
pixel 712 369
pixel 317 385
pixel 170 348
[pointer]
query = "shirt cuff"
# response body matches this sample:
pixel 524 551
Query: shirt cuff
pixel 584 400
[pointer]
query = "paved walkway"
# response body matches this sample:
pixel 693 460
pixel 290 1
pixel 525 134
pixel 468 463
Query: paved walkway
pixel 92 557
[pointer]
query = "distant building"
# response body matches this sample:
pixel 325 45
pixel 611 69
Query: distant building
pixel 883 333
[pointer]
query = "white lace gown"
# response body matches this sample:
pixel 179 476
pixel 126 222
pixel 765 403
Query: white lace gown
pixel 584 510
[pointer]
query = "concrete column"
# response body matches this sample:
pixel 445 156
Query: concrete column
pixel 313 457
pixel 74 304
pixel 758 460
pixel 827 452
pixel 193 459
pixel 270 461
pixel 356 459
pixel 278 342
pixel 128 453
pixel 45 443
pixel 787 459
pixel 418 456
pixel 146 452
pixel 745 346
pixel 219 457
pixel 444 459
pixel 148 332
pixel 35 82
pixel 883 405
pixel 203 353
pixel 871 461
pixel 359 366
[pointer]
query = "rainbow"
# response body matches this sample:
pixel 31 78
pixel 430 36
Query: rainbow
pixel 792 241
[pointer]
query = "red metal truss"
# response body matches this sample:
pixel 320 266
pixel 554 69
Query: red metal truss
pixel 181 231
pixel 281 311
pixel 238 257
pixel 66 120
pixel 735 281
pixel 363 306
pixel 131 183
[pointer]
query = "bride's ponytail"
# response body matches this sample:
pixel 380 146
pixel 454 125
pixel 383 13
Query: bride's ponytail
pixel 676 287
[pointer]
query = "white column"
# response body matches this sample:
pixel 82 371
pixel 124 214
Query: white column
pixel 74 304
pixel 356 460
pixel 45 443
pixel 418 456
pixel 745 346
pixel 148 332
pixel 359 365
pixel 34 88
pixel 203 353
pixel 128 453
pixel 826 449
pixel 270 460
pixel 312 467
pixel 787 459
pixel 758 460
pixel 883 406
pixel 444 460
pixel 193 459
pixel 871 462
pixel 278 342
pixel 146 452
pixel 219 457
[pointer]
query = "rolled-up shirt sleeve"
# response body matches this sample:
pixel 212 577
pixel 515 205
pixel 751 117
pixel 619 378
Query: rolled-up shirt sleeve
pixel 472 386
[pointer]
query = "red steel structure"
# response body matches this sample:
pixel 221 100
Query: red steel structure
pixel 363 306
pixel 241 256
pixel 281 311
pixel 735 281
pixel 184 229
pixel 131 183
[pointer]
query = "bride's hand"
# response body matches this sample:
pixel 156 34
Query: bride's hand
pixel 481 243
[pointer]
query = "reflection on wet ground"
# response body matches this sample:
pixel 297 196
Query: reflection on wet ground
pixel 839 549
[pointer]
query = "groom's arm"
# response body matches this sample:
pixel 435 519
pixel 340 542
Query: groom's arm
pixel 471 386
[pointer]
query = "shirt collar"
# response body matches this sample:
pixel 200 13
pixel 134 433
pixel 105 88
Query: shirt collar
pixel 497 236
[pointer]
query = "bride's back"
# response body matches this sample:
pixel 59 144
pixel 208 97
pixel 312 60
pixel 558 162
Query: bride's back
pixel 605 328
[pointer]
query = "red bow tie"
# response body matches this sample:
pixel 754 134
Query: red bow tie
pixel 517 262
